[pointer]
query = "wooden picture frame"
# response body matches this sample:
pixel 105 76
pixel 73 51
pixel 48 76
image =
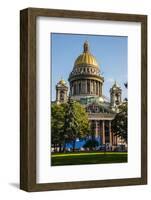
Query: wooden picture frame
pixel 28 98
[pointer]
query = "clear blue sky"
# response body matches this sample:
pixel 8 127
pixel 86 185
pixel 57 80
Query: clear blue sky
pixel 109 51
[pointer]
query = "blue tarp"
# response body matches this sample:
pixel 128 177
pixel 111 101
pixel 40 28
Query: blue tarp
pixel 79 143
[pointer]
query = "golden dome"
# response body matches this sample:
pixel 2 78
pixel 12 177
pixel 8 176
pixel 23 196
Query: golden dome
pixel 62 82
pixel 86 58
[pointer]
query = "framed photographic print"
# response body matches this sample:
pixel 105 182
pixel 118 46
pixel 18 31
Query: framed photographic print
pixel 83 92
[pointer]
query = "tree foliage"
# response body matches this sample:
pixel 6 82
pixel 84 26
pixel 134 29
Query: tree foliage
pixel 76 123
pixel 91 144
pixel 68 121
pixel 82 119
pixel 119 124
pixel 57 123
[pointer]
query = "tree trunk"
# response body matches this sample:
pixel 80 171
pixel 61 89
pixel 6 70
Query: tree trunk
pixel 73 145
pixel 59 147
pixel 93 136
pixel 64 146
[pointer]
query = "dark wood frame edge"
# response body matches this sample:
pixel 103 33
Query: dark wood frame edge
pixel 28 99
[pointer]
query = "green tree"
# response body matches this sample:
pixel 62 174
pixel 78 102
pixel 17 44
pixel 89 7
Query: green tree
pixel 76 124
pixel 91 144
pixel 82 119
pixel 57 124
pixel 119 124
pixel 68 122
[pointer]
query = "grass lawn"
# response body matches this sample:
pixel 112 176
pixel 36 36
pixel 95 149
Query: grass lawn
pixel 80 158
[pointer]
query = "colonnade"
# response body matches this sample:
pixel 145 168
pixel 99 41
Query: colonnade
pixel 88 86
pixel 103 128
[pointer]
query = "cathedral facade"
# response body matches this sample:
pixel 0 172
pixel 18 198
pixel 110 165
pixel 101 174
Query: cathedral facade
pixel 86 86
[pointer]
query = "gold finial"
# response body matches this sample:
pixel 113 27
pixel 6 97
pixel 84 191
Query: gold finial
pixel 62 81
pixel 86 47
pixel 116 84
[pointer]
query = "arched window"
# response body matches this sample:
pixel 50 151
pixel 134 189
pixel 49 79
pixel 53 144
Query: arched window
pixel 117 98
pixel 62 95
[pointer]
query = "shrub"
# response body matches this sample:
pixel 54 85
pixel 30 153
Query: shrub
pixel 91 144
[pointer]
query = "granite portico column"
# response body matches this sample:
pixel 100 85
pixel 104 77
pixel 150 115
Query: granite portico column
pixel 110 133
pixel 103 131
pixel 96 128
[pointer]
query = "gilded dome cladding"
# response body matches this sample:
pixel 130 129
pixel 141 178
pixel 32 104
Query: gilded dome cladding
pixel 62 82
pixel 86 58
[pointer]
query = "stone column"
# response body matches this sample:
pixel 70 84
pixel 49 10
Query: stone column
pixel 100 131
pixel 82 88
pixel 103 132
pixel 98 88
pixel 77 87
pixel 96 129
pixel 85 87
pixel 95 87
pixel 114 140
pixel 91 86
pixel 110 133
pixel 75 92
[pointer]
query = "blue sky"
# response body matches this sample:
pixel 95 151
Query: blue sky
pixel 109 51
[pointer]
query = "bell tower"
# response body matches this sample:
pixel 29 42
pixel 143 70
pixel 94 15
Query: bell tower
pixel 61 92
pixel 115 95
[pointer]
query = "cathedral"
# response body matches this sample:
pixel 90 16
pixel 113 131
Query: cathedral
pixel 86 86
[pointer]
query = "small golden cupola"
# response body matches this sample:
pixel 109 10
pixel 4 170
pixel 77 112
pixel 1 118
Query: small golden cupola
pixel 61 92
pixel 115 95
pixel 62 82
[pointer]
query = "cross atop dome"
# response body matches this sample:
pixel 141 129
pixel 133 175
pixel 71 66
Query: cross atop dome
pixel 86 47
pixel 115 85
